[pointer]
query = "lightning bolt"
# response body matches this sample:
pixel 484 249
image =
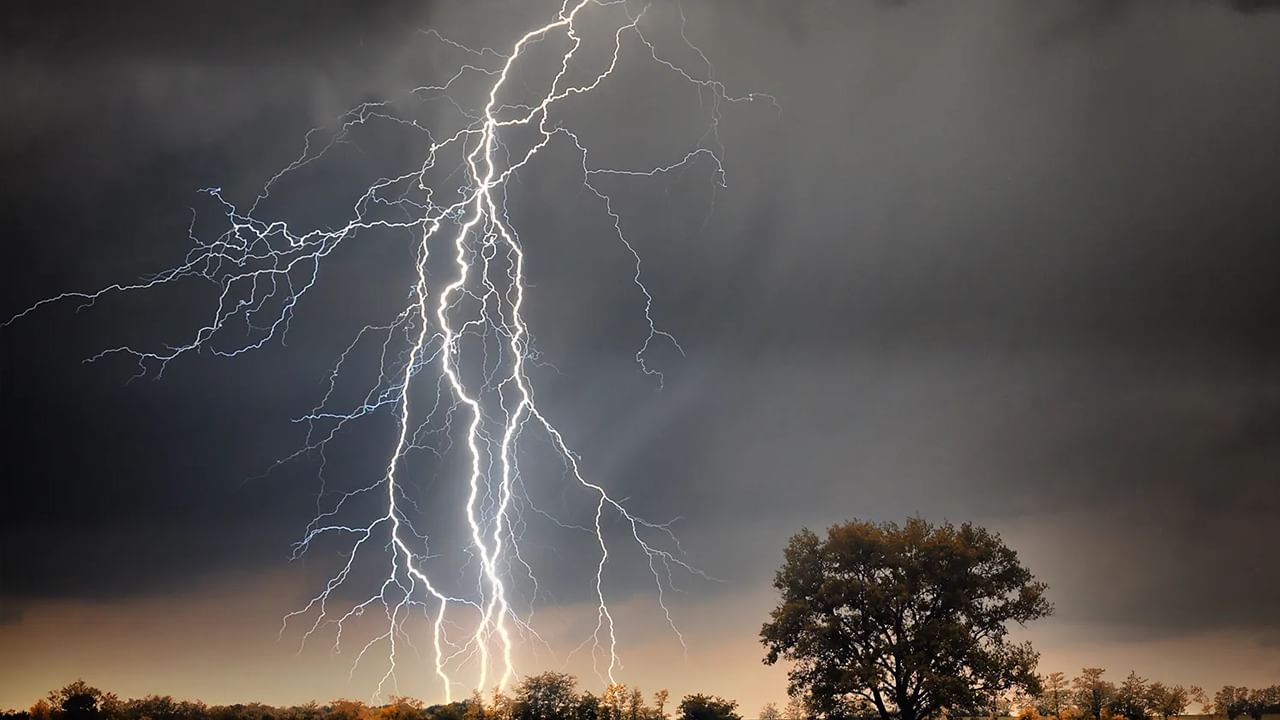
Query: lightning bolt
pixel 461 349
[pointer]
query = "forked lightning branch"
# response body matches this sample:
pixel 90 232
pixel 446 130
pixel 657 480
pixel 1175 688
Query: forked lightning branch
pixel 455 362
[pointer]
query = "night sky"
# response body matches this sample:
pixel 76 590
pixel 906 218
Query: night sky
pixel 1014 263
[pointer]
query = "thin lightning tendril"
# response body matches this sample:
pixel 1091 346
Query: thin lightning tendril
pixel 263 268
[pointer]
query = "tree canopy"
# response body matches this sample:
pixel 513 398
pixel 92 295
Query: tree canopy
pixel 548 696
pixel 903 622
pixel 708 707
pixel 1237 701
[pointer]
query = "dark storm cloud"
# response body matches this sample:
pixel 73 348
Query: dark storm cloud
pixel 1253 6
pixel 1059 261
pixel 115 489
pixel 969 272
pixel 1003 278
pixel 288 32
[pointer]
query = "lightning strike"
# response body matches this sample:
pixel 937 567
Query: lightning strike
pixel 457 354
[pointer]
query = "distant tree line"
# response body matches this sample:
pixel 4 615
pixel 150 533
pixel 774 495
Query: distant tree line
pixel 1089 696
pixel 555 696
pixel 549 696
pixel 1235 702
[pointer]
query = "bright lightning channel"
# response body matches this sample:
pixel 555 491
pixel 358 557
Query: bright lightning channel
pixel 264 268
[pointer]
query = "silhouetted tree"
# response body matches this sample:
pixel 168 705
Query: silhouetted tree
pixel 637 709
pixel 400 708
pixel 81 701
pixel 1131 699
pixel 449 711
pixel 549 696
pixel 306 711
pixel 708 707
pixel 346 710
pixel 1232 701
pixel 1092 694
pixel 903 621
pixel 588 707
pixel 1264 701
pixel 613 702
pixel 797 708
pixel 1236 701
pixel 476 709
pixel 1165 701
pixel 41 710
pixel 660 704
pixel 1053 698
pixel 163 707
pixel 500 706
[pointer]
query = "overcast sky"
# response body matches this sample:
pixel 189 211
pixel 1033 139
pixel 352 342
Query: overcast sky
pixel 1014 263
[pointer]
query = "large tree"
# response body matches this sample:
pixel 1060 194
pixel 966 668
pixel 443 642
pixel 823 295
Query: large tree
pixel 903 622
